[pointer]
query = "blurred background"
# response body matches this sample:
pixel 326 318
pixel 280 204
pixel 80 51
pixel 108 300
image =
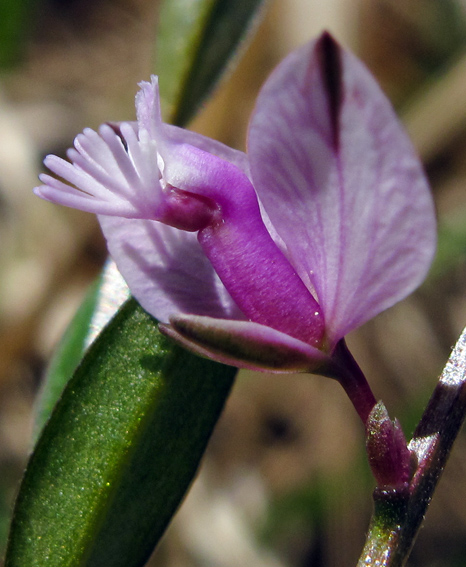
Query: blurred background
pixel 285 480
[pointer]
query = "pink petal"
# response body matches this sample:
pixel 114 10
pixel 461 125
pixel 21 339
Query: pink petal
pixel 149 119
pixel 254 270
pixel 179 135
pixel 166 269
pixel 342 184
pixel 104 178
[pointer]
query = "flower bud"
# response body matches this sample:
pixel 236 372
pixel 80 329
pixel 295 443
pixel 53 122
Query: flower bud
pixel 389 456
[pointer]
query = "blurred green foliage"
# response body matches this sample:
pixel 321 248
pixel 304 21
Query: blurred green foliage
pixel 196 42
pixel 16 20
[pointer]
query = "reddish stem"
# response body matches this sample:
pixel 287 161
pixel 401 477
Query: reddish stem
pixel 346 370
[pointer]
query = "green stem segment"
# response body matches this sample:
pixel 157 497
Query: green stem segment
pixel 390 509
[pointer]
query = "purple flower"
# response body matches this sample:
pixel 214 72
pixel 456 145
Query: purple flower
pixel 265 260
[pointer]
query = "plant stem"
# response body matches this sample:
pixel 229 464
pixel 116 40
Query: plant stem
pixel 398 514
pixel 390 508
pixel 346 370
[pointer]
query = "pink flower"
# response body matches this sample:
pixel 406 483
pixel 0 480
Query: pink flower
pixel 265 260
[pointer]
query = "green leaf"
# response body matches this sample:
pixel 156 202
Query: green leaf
pixel 101 303
pixel 119 451
pixel 66 358
pixel 196 40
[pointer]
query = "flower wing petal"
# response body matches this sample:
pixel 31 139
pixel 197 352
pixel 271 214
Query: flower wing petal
pixel 341 183
pixel 166 269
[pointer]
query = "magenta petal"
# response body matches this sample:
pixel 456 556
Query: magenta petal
pixel 166 269
pixel 244 344
pixel 341 184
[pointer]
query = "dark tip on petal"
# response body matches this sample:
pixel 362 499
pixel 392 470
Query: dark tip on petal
pixel 329 57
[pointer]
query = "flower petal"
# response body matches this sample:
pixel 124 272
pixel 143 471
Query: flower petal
pixel 180 136
pixel 149 119
pixel 342 184
pixel 244 344
pixel 166 269
pixel 104 178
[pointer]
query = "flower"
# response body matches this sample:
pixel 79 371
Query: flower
pixel 267 259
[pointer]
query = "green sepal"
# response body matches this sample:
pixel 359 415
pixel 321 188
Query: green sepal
pixel 119 451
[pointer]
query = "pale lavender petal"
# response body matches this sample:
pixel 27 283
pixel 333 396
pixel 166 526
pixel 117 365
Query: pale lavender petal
pixel 104 178
pixel 81 201
pixel 76 176
pixel 166 269
pixel 149 119
pixel 244 344
pixel 58 192
pixel 148 112
pixel 180 136
pixel 341 184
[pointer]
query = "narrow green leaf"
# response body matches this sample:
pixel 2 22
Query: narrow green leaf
pixel 119 451
pixel 66 358
pixel 196 40
pixel 181 25
pixel 101 303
